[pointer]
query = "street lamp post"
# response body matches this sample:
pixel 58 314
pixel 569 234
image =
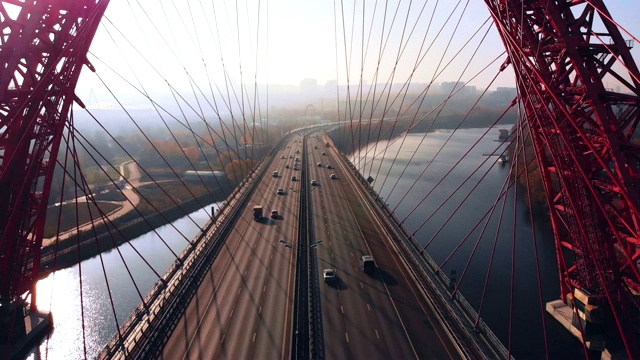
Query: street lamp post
pixel 289 245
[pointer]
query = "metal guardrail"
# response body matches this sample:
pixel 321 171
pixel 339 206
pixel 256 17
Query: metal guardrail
pixel 316 338
pixel 300 344
pixel 472 340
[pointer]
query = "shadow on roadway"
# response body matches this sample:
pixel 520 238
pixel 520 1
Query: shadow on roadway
pixel 338 284
pixel 384 277
pixel 268 221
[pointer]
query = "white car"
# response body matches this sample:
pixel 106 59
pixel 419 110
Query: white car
pixel 329 275
pixel 333 176
pixel 314 183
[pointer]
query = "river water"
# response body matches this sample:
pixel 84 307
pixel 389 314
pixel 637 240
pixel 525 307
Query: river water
pixel 61 292
pixel 83 286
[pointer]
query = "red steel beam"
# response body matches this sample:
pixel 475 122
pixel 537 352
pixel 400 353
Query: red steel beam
pixel 584 134
pixel 43 48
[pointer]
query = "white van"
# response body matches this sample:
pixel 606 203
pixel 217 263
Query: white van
pixel 368 264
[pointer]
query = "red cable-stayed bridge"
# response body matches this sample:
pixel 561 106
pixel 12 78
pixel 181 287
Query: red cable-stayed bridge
pixel 573 149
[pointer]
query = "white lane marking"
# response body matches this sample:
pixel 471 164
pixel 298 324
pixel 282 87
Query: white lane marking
pixel 239 289
pixel 377 335
pixel 254 337
pixel 370 211
pixel 250 258
pixel 260 310
pixel 347 336
pixel 369 307
pixel 223 336
pixel 361 285
pixel 231 313
pixel 245 273
pixel 341 309
pixel 264 288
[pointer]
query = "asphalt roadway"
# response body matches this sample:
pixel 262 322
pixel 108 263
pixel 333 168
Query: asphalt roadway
pixel 243 308
pixel 380 315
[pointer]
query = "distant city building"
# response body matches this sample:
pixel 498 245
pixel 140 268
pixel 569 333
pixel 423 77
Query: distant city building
pixel 503 90
pixel 458 89
pixel 503 96
pixel 331 88
pixel 448 87
pixel 309 87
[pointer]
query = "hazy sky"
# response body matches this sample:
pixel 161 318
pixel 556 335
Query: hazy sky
pixel 204 44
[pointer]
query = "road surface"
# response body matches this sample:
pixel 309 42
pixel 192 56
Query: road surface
pixel 366 316
pixel 243 308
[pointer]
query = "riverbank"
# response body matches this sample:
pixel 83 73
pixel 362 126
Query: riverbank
pixel 104 237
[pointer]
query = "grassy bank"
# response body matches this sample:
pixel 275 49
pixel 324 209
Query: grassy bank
pixel 87 244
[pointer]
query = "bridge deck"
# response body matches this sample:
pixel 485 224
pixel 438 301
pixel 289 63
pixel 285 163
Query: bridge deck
pixel 380 315
pixel 243 307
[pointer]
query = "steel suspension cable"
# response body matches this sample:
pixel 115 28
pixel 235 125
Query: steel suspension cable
pixel 399 52
pixel 442 179
pixel 533 226
pixel 437 115
pixel 155 105
pixel 406 83
pixel 424 92
pixel 141 215
pixel 442 103
pixel 415 152
pixel 459 160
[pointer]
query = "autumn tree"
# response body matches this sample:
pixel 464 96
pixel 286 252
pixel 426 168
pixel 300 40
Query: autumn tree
pixel 238 169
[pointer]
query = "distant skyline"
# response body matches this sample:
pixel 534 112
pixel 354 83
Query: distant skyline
pixel 193 47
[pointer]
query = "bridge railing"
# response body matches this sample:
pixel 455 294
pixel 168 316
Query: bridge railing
pixel 452 309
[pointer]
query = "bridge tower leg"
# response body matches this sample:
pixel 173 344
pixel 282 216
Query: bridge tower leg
pixel 43 48
pixel 562 52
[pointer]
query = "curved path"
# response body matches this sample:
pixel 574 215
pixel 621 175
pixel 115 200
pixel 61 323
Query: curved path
pixel 125 205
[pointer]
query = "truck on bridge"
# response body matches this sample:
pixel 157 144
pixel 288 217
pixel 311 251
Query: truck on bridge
pixel 257 212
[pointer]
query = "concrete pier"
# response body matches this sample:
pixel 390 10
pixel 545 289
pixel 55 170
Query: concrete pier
pixel 28 330
pixel 565 314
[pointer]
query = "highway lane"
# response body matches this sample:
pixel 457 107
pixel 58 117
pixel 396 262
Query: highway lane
pixel 243 307
pixel 379 316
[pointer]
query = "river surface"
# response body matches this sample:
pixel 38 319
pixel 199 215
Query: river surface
pixel 83 286
pixel 427 205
